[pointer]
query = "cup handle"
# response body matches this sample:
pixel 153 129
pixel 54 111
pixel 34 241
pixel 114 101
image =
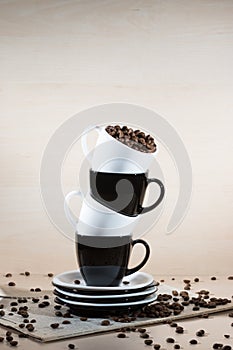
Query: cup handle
pixel 138 267
pixel 70 217
pixel 85 148
pixel 159 200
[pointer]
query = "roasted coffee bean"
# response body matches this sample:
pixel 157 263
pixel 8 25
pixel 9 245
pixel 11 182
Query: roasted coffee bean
pixel 83 319
pixel 57 307
pixel 1 339
pixel 13 343
pixel 173 324
pixel 213 278
pixel 54 325
pixel 230 278
pixel 230 314
pixel 46 297
pixel 170 340
pixel 144 335
pixel 226 347
pixel 126 282
pixel 21 325
pixel 186 281
pixel 148 341
pixel 58 314
pixel 121 335
pixel 8 333
pixel 26 320
pixel 71 346
pixel 11 284
pixel 37 289
pixel 50 274
pixel 179 330
pixel 33 321
pixel 176 346
pixel 187 287
pixel 193 341
pixel 217 346
pixel 227 336
pixel 27 273
pixel 66 322
pixel 76 281
pixel 8 275
pixel 14 309
pixel 2 313
pixel 157 346
pixel 67 315
pixel 105 323
pixel 9 338
pixel 196 279
pixel 196 308
pixel 10 314
pixel 175 293
pixel 142 330
pixel 232 325
pixel 1 306
pixel 32 290
pixel 30 327
pixel 13 303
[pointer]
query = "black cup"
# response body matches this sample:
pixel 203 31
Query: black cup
pixel 123 193
pixel 103 261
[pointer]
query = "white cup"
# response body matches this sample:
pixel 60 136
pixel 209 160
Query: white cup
pixel 97 220
pixel 112 156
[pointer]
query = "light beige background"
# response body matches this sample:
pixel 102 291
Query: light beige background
pixel 59 57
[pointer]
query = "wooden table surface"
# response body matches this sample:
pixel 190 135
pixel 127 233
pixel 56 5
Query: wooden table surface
pixel 59 57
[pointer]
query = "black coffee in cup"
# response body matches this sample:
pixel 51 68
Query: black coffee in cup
pixel 103 261
pixel 123 193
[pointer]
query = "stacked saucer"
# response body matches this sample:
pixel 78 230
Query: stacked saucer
pixel 134 292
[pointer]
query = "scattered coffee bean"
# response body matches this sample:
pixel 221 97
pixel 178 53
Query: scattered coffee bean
pixel 175 293
pixel 196 308
pixel 71 346
pixel 179 330
pixel 35 300
pixel 11 284
pixel 142 330
pixel 196 279
pixel 187 287
pixel 66 322
pixel 200 333
pixel 186 281
pixel 54 325
pixel 8 333
pixel 33 321
pixel 8 275
pixel 144 335
pixel 26 320
pixel 213 278
pixel 230 278
pixel 176 346
pixel 76 281
pixel 13 343
pixel 230 314
pixel 67 314
pixel 2 313
pixel 50 274
pixel 173 324
pixel 121 335
pixel 32 290
pixel 37 289
pixel 27 273
pixel 58 314
pixel 227 336
pixel 57 307
pixel 83 319
pixel 1 306
pixel 193 341
pixel 21 325
pixel 14 309
pixel 162 281
pixel 157 346
pixel 1 339
pixel 217 346
pixel 170 340
pixel 148 341
pixel 9 338
pixel 126 282
pixel 105 323
pixel 30 327
pixel 46 297
pixel 226 347
pixel 13 303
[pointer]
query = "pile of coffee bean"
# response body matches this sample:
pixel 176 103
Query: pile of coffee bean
pixel 135 139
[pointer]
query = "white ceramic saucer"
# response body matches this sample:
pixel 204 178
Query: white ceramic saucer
pixel 137 280
pixel 77 296
pixel 71 303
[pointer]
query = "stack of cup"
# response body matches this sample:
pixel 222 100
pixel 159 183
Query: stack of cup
pixel 110 211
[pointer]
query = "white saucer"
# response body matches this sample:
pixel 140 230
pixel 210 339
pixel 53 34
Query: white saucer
pixel 147 300
pixel 137 280
pixel 143 293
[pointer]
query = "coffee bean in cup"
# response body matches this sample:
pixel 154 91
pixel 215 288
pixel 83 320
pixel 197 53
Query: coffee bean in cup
pixel 135 139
